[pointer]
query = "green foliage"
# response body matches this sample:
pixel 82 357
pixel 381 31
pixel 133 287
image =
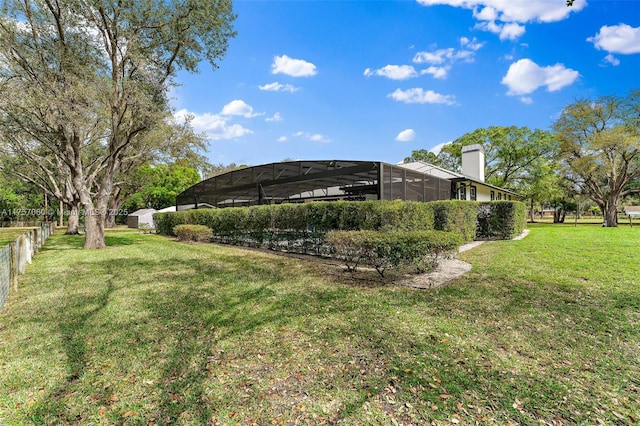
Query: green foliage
pixel 165 222
pixel 423 155
pixel 456 216
pixel 145 228
pixel 600 148
pixel 517 158
pixel 282 224
pixel 101 71
pixel 381 250
pixel 198 233
pixel 211 170
pixel 317 217
pixel 501 219
pixel 161 184
pixel 20 200
pixel 512 154
pixel 302 227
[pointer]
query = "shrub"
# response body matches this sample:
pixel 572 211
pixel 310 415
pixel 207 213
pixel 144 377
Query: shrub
pixel 501 219
pixel 165 222
pixel 381 250
pixel 198 233
pixel 302 227
pixel 456 216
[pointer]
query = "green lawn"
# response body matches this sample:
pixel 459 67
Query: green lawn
pixel 10 234
pixel 545 330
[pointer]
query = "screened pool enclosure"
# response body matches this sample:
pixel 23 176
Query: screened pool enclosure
pixel 301 181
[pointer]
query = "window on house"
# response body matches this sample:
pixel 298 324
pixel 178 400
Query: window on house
pixel 462 192
pixel 493 195
pixel 472 192
pixel 499 195
pixel 509 197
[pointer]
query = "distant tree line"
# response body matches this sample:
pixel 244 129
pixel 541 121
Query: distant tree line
pixel 592 153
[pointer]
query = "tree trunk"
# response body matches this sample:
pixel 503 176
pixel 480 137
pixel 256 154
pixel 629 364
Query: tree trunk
pixel 114 209
pixel 73 221
pixel 110 221
pixel 610 213
pixel 61 214
pixel 94 223
pixel 532 212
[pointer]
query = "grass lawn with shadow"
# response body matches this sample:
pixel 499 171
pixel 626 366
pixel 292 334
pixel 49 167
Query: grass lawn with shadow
pixel 153 331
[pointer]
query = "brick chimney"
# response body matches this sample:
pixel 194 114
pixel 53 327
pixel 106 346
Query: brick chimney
pixel 473 162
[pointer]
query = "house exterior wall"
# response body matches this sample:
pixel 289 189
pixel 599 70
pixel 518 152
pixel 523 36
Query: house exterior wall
pixel 464 191
pixel 135 219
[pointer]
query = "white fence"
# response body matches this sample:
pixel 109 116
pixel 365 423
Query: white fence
pixel 15 256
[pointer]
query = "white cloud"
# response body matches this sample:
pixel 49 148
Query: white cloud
pixel 503 16
pixel 420 96
pixel 526 100
pixel 282 139
pixel 436 72
pixel 276 117
pixel 472 44
pixel 293 67
pixel 525 76
pixel 513 11
pixel 393 72
pixel 436 149
pixel 511 31
pixel 279 87
pixel 441 60
pixel 213 125
pixel 486 14
pixel 612 60
pixel 406 135
pixel 238 107
pixel 621 38
pixel 314 137
pixel 437 57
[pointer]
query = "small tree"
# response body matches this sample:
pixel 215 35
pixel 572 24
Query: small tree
pixel 600 148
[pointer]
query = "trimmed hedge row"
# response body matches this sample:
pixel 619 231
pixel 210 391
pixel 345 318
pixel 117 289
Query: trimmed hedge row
pixel 502 220
pixel 328 216
pixel 305 225
pixel 456 216
pixel 319 217
pixel 381 250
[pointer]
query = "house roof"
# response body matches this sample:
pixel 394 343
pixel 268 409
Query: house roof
pixel 430 169
pixel 142 212
pixel 300 180
pixel 167 209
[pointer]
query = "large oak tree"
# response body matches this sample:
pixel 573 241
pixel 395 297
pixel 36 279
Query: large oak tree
pixel 87 79
pixel 600 147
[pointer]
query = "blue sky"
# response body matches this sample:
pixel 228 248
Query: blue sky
pixel 374 80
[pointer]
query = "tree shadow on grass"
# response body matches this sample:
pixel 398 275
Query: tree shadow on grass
pixel 73 324
pixel 195 308
pixel 63 242
pixel 201 307
pixel 76 242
